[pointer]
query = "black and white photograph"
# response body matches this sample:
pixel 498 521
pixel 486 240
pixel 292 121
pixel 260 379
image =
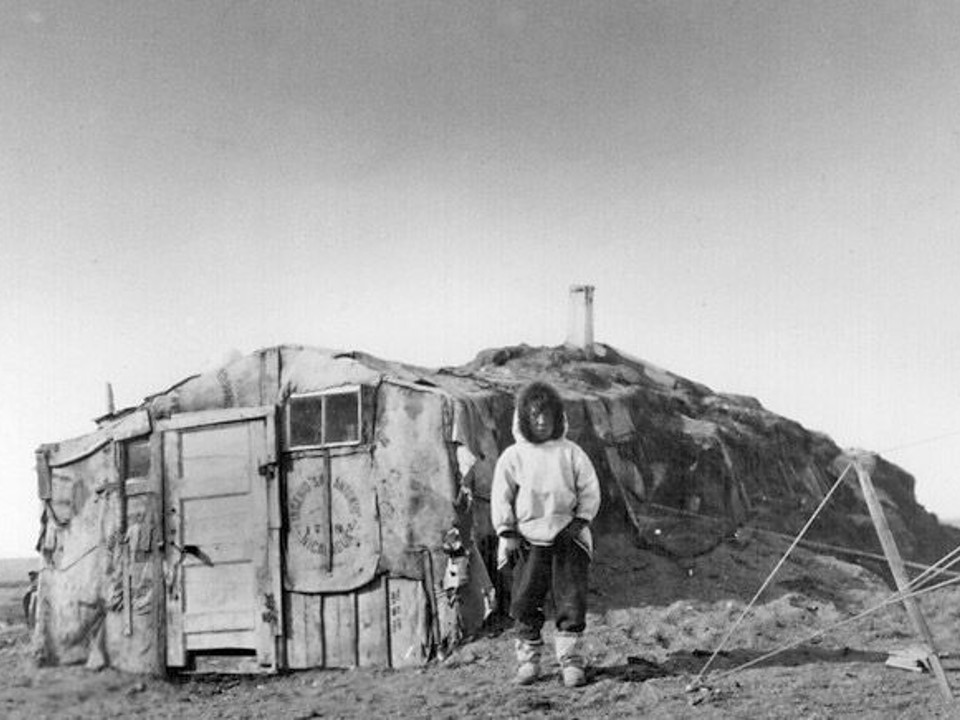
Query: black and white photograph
pixel 465 359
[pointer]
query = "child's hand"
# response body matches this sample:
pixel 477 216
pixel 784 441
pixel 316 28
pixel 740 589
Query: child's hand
pixel 573 528
pixel 508 551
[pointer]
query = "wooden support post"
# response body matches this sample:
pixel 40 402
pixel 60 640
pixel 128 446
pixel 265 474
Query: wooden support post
pixel 120 464
pixel 328 500
pixel 128 557
pixel 900 577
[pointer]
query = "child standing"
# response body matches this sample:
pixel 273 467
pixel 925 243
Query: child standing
pixel 545 495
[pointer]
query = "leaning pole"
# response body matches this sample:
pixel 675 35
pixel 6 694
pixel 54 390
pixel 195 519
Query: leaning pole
pixel 895 561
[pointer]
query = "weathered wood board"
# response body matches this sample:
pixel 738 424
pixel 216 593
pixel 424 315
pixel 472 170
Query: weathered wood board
pixel 373 642
pixel 408 615
pixel 382 624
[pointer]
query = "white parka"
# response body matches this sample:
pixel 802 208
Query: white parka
pixel 538 488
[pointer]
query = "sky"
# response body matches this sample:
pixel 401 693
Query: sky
pixel 766 196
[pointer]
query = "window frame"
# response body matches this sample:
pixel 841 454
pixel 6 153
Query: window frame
pixel 355 390
pixel 125 455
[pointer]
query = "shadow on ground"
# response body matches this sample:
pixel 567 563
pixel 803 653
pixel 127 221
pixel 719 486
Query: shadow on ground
pixel 639 669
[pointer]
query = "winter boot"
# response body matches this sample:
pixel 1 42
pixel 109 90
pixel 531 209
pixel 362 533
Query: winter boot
pixel 528 661
pixel 570 656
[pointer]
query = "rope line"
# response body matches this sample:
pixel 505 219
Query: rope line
pixel 812 544
pixel 896 597
pixel 922 441
pixel 773 572
pixel 937 569
pixel 940 567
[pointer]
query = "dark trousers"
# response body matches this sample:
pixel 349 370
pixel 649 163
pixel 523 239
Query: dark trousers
pixel 563 569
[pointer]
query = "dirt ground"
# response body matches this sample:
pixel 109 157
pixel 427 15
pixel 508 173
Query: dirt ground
pixel 653 624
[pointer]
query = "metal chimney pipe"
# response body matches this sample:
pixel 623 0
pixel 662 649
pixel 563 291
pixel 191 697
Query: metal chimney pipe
pixel 580 325
pixel 111 406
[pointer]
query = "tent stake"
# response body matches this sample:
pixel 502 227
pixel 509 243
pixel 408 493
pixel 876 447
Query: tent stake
pixel 900 577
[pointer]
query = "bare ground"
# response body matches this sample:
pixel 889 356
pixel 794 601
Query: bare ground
pixel 653 625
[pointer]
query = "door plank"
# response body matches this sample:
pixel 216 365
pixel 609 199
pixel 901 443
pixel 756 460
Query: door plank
pixel 227 587
pixel 220 621
pixel 263 598
pixel 220 640
pixel 217 459
pixel 274 529
pixel 176 652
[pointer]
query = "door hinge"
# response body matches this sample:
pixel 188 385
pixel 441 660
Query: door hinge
pixel 268 470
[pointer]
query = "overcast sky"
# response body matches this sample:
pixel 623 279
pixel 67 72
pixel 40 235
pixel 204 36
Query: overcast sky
pixel 766 196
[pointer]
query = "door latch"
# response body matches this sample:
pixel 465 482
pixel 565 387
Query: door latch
pixel 193 550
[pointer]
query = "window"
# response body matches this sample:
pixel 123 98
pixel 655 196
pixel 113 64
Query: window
pixel 136 458
pixel 324 419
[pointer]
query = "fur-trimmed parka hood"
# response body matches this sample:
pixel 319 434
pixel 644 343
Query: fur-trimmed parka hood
pixel 538 393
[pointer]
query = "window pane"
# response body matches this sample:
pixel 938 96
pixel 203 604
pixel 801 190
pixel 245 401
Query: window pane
pixel 136 459
pixel 342 413
pixel 306 415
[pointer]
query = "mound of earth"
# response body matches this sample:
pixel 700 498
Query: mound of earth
pixel 668 447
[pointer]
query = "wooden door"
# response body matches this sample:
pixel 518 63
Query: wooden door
pixel 222 526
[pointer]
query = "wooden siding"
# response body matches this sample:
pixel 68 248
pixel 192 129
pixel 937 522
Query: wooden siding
pixel 382 624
